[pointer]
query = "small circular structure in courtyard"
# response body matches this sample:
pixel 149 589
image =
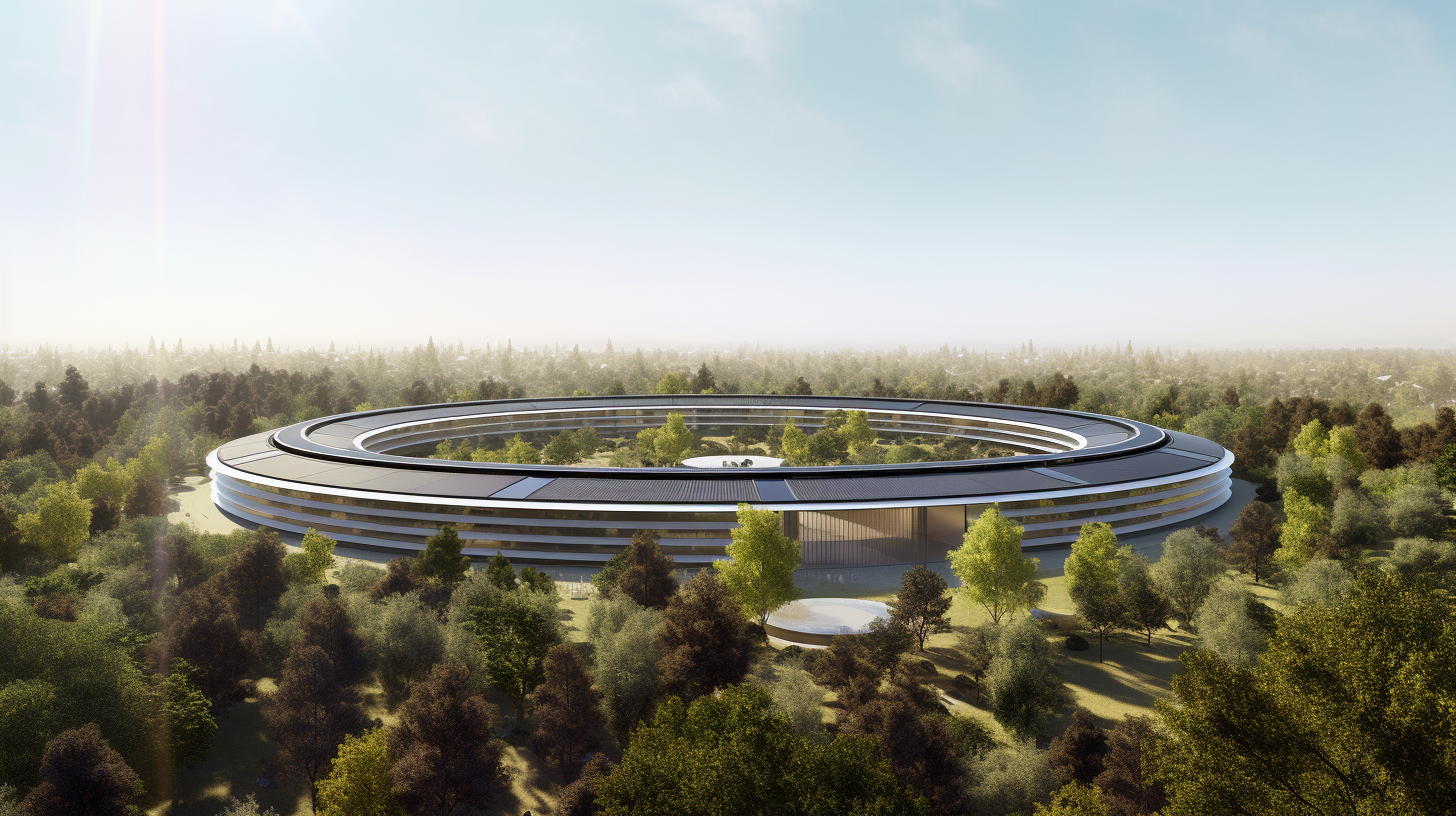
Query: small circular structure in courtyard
pixel 730 461
pixel 817 621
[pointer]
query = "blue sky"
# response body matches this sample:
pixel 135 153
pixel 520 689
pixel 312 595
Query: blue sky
pixel 697 173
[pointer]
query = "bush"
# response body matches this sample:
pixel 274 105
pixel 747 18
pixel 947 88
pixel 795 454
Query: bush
pixel 1076 643
pixel 789 654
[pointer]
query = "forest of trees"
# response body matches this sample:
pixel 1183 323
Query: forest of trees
pixel 128 639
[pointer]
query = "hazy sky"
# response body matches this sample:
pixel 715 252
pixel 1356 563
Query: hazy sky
pixel 681 173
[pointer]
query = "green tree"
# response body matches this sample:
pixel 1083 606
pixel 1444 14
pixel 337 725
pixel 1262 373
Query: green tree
pixel 498 571
pixel 1025 685
pixel 856 430
pixel 1348 711
pixel 318 557
pixel 1100 607
pixel 623 636
pixel 1074 799
pixel 1345 445
pixel 673 382
pixel 111 484
pixel 1319 581
pixel 673 440
pixel 922 604
pixel 442 560
pixel 254 577
pixel 730 754
pixel 1095 558
pixel 1144 608
pixel 358 783
pixel 1305 523
pixel 59 524
pixel 516 630
pixel 1313 440
pixel 406 640
pixel 1189 567
pixel 794 445
pixel 521 452
pixel 760 572
pixel 186 714
pixel 1446 468
pixel 1226 628
pixel 993 570
pixel 561 450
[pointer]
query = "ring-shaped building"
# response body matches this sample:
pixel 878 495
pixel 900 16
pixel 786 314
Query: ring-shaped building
pixel 342 476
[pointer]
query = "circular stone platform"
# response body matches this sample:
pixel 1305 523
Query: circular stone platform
pixel 815 621
pixel 731 461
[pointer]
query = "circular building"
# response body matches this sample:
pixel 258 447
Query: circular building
pixel 816 622
pixel 364 479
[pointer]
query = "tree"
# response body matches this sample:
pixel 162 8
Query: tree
pixel 1011 780
pixel 204 631
pixel 846 668
pixel 1127 786
pixel 13 550
pixel 1024 682
pixel 623 637
pixel 310 714
pixel 1446 468
pixel 81 775
pixel 1305 525
pixel 856 431
pixel 703 383
pixel 1320 581
pixel 1255 536
pixel 255 576
pixel 794 445
pixel 1347 712
pixel 647 578
pixel 1345 445
pixel 443 746
pixel 1076 754
pixel 760 572
pixel 605 579
pixel 186 715
pixel 730 754
pixel 561 450
pixel 326 624
pixel 318 556
pixel 673 382
pixel 407 641
pixel 358 783
pixel 1380 443
pixel 704 639
pixel 1417 510
pixel 110 485
pixel 976 646
pixel 498 571
pixel 990 565
pixel 1095 557
pixel 1074 799
pixel 60 522
pixel 580 797
pixel 398 579
pixel 441 561
pixel 922 604
pixel 1187 571
pixel 1144 608
pixel 917 746
pixel 1424 559
pixel 1100 607
pixel 515 631
pixel 1355 524
pixel 1226 627
pixel 567 710
pixel 673 440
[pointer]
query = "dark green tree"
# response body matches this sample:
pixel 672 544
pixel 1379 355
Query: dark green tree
pixel 1255 536
pixel 917 745
pixel 204 631
pixel 704 638
pixel 1076 755
pixel 516 630
pixel 1025 685
pixel 1347 711
pixel 310 714
pixel 441 561
pixel 1144 608
pixel 81 775
pixel 444 747
pixel 498 571
pixel 255 577
pixel 729 754
pixel 922 604
pixel 648 575
pixel 566 708
pixel 1379 441
pixel 187 714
